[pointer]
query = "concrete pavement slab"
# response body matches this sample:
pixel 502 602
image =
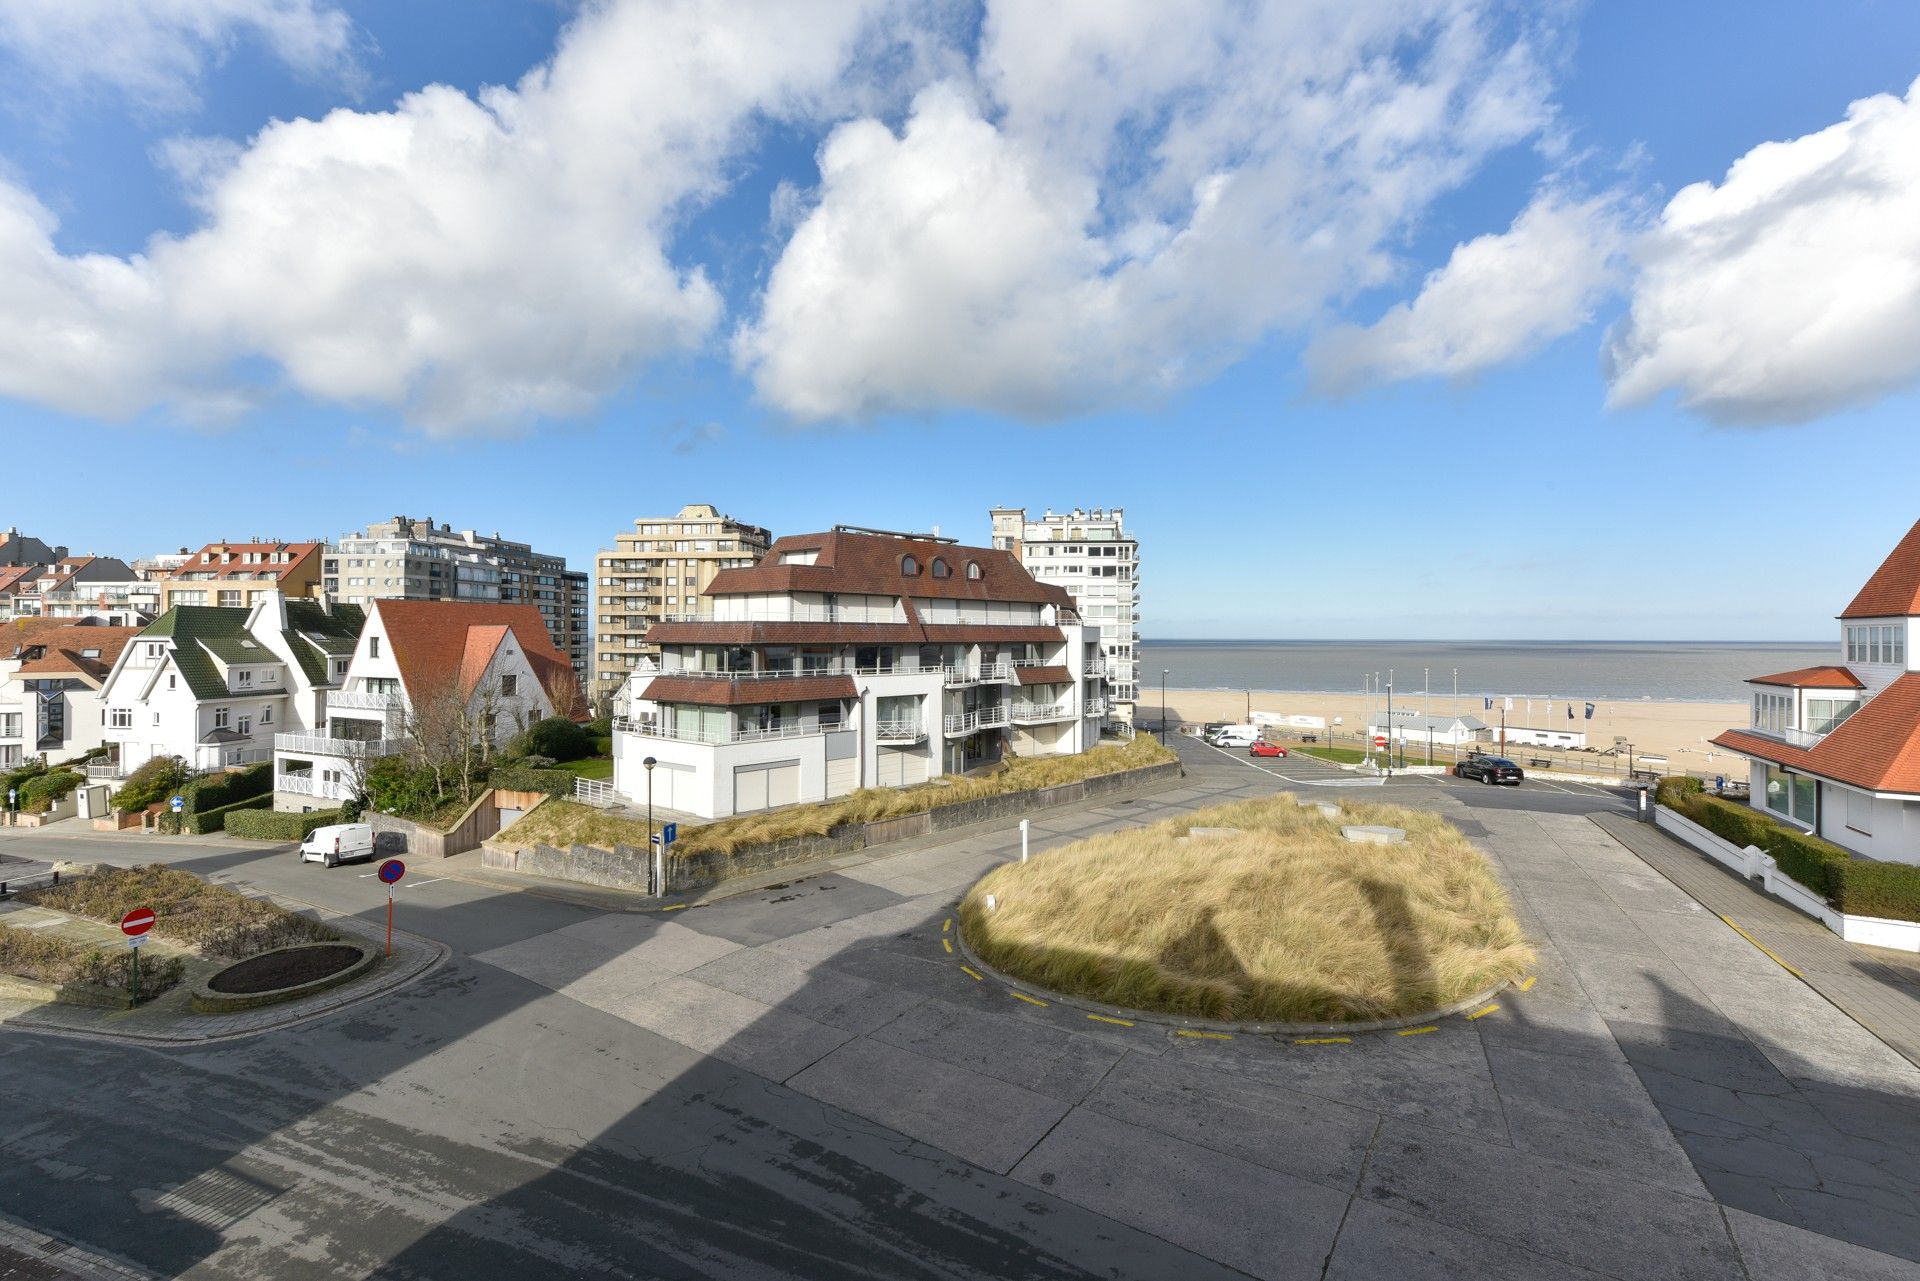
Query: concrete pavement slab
pixel 770 1042
pixel 824 995
pixel 1026 1053
pixel 1378 1243
pixel 1615 1226
pixel 1775 1251
pixel 1265 1223
pixel 752 919
pixel 989 1122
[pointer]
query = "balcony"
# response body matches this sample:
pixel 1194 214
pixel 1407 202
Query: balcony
pixel 362 701
pixel 349 748
pixel 1025 713
pixel 987 674
pixel 802 728
pixel 795 614
pixel 1791 737
pixel 906 730
pixel 308 785
pixel 957 723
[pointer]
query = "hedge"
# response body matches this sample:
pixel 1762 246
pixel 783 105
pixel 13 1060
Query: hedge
pixel 200 822
pixel 221 791
pixel 554 782
pixel 43 791
pixel 267 825
pixel 1861 887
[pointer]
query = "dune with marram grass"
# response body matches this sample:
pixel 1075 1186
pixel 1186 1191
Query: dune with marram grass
pixel 1283 921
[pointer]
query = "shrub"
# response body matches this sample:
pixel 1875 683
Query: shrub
pixel 601 727
pixel 554 782
pixel 203 821
pixel 1676 790
pixel 43 791
pixel 266 825
pixel 1865 888
pixel 52 959
pixel 154 781
pixel 396 785
pixel 556 738
pixel 535 762
pixel 221 791
pixel 17 778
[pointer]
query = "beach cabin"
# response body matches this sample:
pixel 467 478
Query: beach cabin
pixel 1835 749
pixel 1442 731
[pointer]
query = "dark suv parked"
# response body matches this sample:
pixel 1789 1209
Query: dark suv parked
pixel 1489 769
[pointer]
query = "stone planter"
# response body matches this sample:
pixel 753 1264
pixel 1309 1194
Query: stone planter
pixel 206 1000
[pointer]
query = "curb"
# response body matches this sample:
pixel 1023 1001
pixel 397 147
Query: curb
pixel 1178 1022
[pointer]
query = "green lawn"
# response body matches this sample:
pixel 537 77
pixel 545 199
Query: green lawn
pixel 600 767
pixel 1344 755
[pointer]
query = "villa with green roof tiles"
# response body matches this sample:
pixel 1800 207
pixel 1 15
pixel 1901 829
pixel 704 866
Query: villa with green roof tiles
pixel 213 685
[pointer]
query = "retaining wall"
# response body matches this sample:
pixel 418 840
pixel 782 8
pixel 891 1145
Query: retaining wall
pixel 625 866
pixel 479 821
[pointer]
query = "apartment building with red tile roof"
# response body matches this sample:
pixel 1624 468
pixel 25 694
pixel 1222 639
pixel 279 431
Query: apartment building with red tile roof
pixel 235 574
pixel 51 678
pixel 1835 749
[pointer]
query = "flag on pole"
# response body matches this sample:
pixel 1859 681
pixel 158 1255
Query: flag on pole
pixel 1489 703
pixel 1569 711
pixel 1589 711
pixel 1509 704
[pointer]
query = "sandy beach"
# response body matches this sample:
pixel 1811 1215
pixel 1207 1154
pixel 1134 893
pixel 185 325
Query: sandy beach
pixel 1676 730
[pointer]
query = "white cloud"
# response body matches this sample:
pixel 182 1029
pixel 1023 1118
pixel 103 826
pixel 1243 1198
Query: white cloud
pixel 478 262
pixel 1792 288
pixel 1499 297
pixel 1129 196
pixel 155 51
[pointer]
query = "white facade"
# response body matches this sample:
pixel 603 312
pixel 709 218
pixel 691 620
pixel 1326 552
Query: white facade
pixel 852 689
pixel 58 714
pixel 1091 555
pixel 1418 729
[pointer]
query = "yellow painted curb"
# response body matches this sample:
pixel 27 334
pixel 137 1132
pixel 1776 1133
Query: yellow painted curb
pixel 1526 984
pixel 974 974
pixel 1203 1036
pixel 1101 1018
pixel 1764 949
pixel 946 926
pixel 1484 1011
pixel 1030 1000
pixel 1418 1031
pixel 677 907
pixel 1324 1040
pixel 948 944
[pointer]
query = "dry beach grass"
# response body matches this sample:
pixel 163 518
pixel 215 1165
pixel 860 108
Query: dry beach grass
pixel 1283 922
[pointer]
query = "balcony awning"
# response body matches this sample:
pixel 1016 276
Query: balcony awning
pixel 1042 676
pixel 710 692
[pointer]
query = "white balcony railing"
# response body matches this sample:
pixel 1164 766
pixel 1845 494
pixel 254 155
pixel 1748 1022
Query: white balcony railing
pixel 362 701
pixel 645 728
pixel 308 785
pixel 321 745
pixel 908 730
pixel 1791 737
pixel 968 722
pixel 793 614
pixel 831 667
pixel 985 674
pixel 1026 713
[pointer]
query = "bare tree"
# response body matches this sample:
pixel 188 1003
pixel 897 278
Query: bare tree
pixel 563 690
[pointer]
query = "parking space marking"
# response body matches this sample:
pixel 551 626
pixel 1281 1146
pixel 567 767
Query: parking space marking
pixel 1418 1031
pixel 1483 1011
pixel 1101 1018
pixel 974 974
pixel 1030 1000
pixel 1323 1040
pixel 1378 781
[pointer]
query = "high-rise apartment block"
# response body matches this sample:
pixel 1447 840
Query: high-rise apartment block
pixel 407 559
pixel 658 572
pixel 1091 554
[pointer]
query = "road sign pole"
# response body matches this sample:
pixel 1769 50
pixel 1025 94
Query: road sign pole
pixel 389 920
pixel 134 943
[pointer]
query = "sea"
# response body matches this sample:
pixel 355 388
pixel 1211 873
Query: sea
pixel 1680 671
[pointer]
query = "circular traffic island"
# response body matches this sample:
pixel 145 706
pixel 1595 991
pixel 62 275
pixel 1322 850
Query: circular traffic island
pixel 283 974
pixel 1267 915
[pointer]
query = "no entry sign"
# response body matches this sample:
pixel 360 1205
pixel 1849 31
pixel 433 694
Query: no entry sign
pixel 1379 740
pixel 137 922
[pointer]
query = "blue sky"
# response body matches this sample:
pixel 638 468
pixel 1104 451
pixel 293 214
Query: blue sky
pixel 900 286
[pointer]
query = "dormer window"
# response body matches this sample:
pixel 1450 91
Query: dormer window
pixel 940 569
pixel 973 569
pixel 909 566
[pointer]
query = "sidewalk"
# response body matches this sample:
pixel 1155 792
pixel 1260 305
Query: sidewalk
pixel 1879 989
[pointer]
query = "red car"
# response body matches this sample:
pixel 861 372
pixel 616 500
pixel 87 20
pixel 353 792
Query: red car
pixel 1266 749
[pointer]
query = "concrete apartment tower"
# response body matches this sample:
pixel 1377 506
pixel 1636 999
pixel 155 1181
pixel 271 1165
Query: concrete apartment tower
pixel 656 572
pixel 407 559
pixel 1091 554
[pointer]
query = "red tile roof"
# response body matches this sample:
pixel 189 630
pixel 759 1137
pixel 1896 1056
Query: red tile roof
pixel 1877 748
pixel 438 640
pixel 209 560
pixel 12 575
pixel 1812 678
pixel 1894 589
pixel 1042 676
pixel 64 647
pixel 713 692
pixel 870 564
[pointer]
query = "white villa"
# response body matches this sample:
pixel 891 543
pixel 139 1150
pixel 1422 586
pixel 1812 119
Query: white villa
pixel 213 685
pixel 855 658
pixel 496 662
pixel 51 679
pixel 1835 749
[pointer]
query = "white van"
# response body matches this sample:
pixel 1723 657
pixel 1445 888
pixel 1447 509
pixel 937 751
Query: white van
pixel 340 843
pixel 1236 736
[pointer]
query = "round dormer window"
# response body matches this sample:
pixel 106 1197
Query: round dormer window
pixel 940 569
pixel 909 567
pixel 973 569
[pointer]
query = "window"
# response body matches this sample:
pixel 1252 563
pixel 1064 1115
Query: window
pixel 266 714
pixel 121 718
pixel 244 677
pixel 909 567
pixel 246 725
pixel 1773 713
pixel 220 718
pixel 173 681
pixel 509 685
pixel 940 569
pixel 973 569
pixel 1859 814
pixel 1825 714
pixel 373 647
pixel 155 651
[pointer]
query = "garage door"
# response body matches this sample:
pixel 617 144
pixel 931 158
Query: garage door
pixel 759 787
pixel 672 788
pixel 842 776
pixel 899 766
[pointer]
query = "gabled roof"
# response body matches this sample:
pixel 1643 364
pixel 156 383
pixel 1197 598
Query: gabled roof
pixel 870 564
pixel 438 640
pixel 1877 748
pixel 12 577
pixel 211 560
pixel 66 649
pixel 1894 589
pixel 315 635
pixel 1812 678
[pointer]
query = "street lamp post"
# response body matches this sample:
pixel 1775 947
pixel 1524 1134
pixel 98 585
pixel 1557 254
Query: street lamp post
pixel 1389 723
pixel 657 869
